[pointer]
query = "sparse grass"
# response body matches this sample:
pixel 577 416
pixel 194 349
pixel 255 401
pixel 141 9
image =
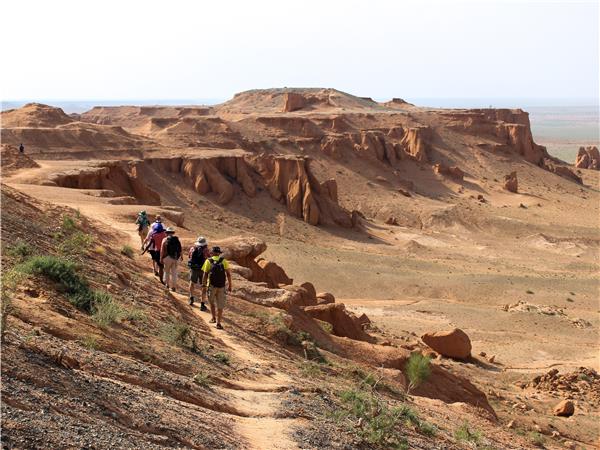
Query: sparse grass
pixel 537 439
pixel 428 429
pixel 105 311
pixel 418 369
pixel 180 334
pixel 326 326
pixel 90 342
pixel 76 245
pixel 68 224
pixel 222 357
pixel 310 369
pixel 135 315
pixel 379 424
pixel 127 251
pixel 465 433
pixel 529 291
pixel 584 377
pixel 202 379
pixel 20 250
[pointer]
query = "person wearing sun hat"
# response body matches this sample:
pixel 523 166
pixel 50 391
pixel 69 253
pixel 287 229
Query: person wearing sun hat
pixel 216 269
pixel 197 255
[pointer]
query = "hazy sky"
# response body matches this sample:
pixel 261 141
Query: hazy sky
pixel 147 49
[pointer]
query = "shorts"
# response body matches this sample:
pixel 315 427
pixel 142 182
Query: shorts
pixel 217 296
pixel 196 275
pixel 155 256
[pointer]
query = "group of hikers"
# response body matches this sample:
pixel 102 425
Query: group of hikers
pixel 209 270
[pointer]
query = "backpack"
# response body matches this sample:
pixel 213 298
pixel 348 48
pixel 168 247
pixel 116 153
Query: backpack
pixel 197 258
pixel 217 273
pixel 173 247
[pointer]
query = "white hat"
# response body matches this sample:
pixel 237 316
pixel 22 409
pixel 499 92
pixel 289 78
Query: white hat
pixel 201 240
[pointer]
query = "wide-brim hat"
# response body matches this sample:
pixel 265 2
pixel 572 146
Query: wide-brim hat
pixel 216 250
pixel 170 230
pixel 201 240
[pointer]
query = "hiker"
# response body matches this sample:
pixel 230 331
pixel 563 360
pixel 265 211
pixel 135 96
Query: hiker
pixel 170 255
pixel 153 243
pixel 197 255
pixel 215 269
pixel 157 223
pixel 21 149
pixel 143 224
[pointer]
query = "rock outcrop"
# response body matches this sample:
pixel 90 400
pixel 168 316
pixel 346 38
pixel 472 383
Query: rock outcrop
pixel 118 176
pixel 293 101
pixel 343 322
pixel 565 408
pixel 272 273
pixel 511 183
pixel 454 343
pixel 452 172
pixel 588 158
pixel 324 298
pixel 561 170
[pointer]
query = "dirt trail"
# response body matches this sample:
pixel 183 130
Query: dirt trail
pixel 258 401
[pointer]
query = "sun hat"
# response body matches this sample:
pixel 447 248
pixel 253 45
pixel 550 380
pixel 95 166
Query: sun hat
pixel 201 240
pixel 170 230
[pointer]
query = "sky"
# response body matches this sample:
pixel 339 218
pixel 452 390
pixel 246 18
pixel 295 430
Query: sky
pixel 130 49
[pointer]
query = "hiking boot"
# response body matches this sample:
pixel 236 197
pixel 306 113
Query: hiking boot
pixel 219 326
pixel 203 307
pixel 173 289
pixel 191 300
pixel 213 320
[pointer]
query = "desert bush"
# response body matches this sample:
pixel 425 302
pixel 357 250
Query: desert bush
pixel 76 245
pixel 90 342
pixel 464 433
pixel 135 315
pixel 380 423
pixel 222 357
pixel 64 273
pixel 537 439
pixel 202 379
pixel 68 224
pixel 418 369
pixel 20 250
pixel 310 369
pixel 127 251
pixel 105 311
pixel 180 334
pixel 99 250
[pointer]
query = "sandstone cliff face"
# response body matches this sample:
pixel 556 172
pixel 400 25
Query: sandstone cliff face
pixel 293 101
pixel 588 158
pixel 290 181
pixel 118 176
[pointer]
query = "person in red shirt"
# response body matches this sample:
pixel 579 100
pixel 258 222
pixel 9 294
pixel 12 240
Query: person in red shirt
pixel 152 244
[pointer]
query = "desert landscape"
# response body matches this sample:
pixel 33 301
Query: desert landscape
pixel 366 239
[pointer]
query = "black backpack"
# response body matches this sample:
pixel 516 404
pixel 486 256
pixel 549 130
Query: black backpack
pixel 173 247
pixel 197 258
pixel 217 273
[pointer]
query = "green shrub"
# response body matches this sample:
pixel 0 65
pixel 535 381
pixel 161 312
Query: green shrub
pixel 310 369
pixel 135 315
pixel 464 433
pixel 105 311
pixel 222 357
pixel 68 224
pixel 20 250
pixel 202 379
pixel 76 244
pixel 380 423
pixel 90 342
pixel 537 439
pixel 127 251
pixel 180 334
pixel 418 369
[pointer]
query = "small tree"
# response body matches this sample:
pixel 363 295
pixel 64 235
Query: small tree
pixel 418 369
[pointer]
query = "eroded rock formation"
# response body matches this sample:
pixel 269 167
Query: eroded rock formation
pixel 511 183
pixel 588 158
pixel 454 343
